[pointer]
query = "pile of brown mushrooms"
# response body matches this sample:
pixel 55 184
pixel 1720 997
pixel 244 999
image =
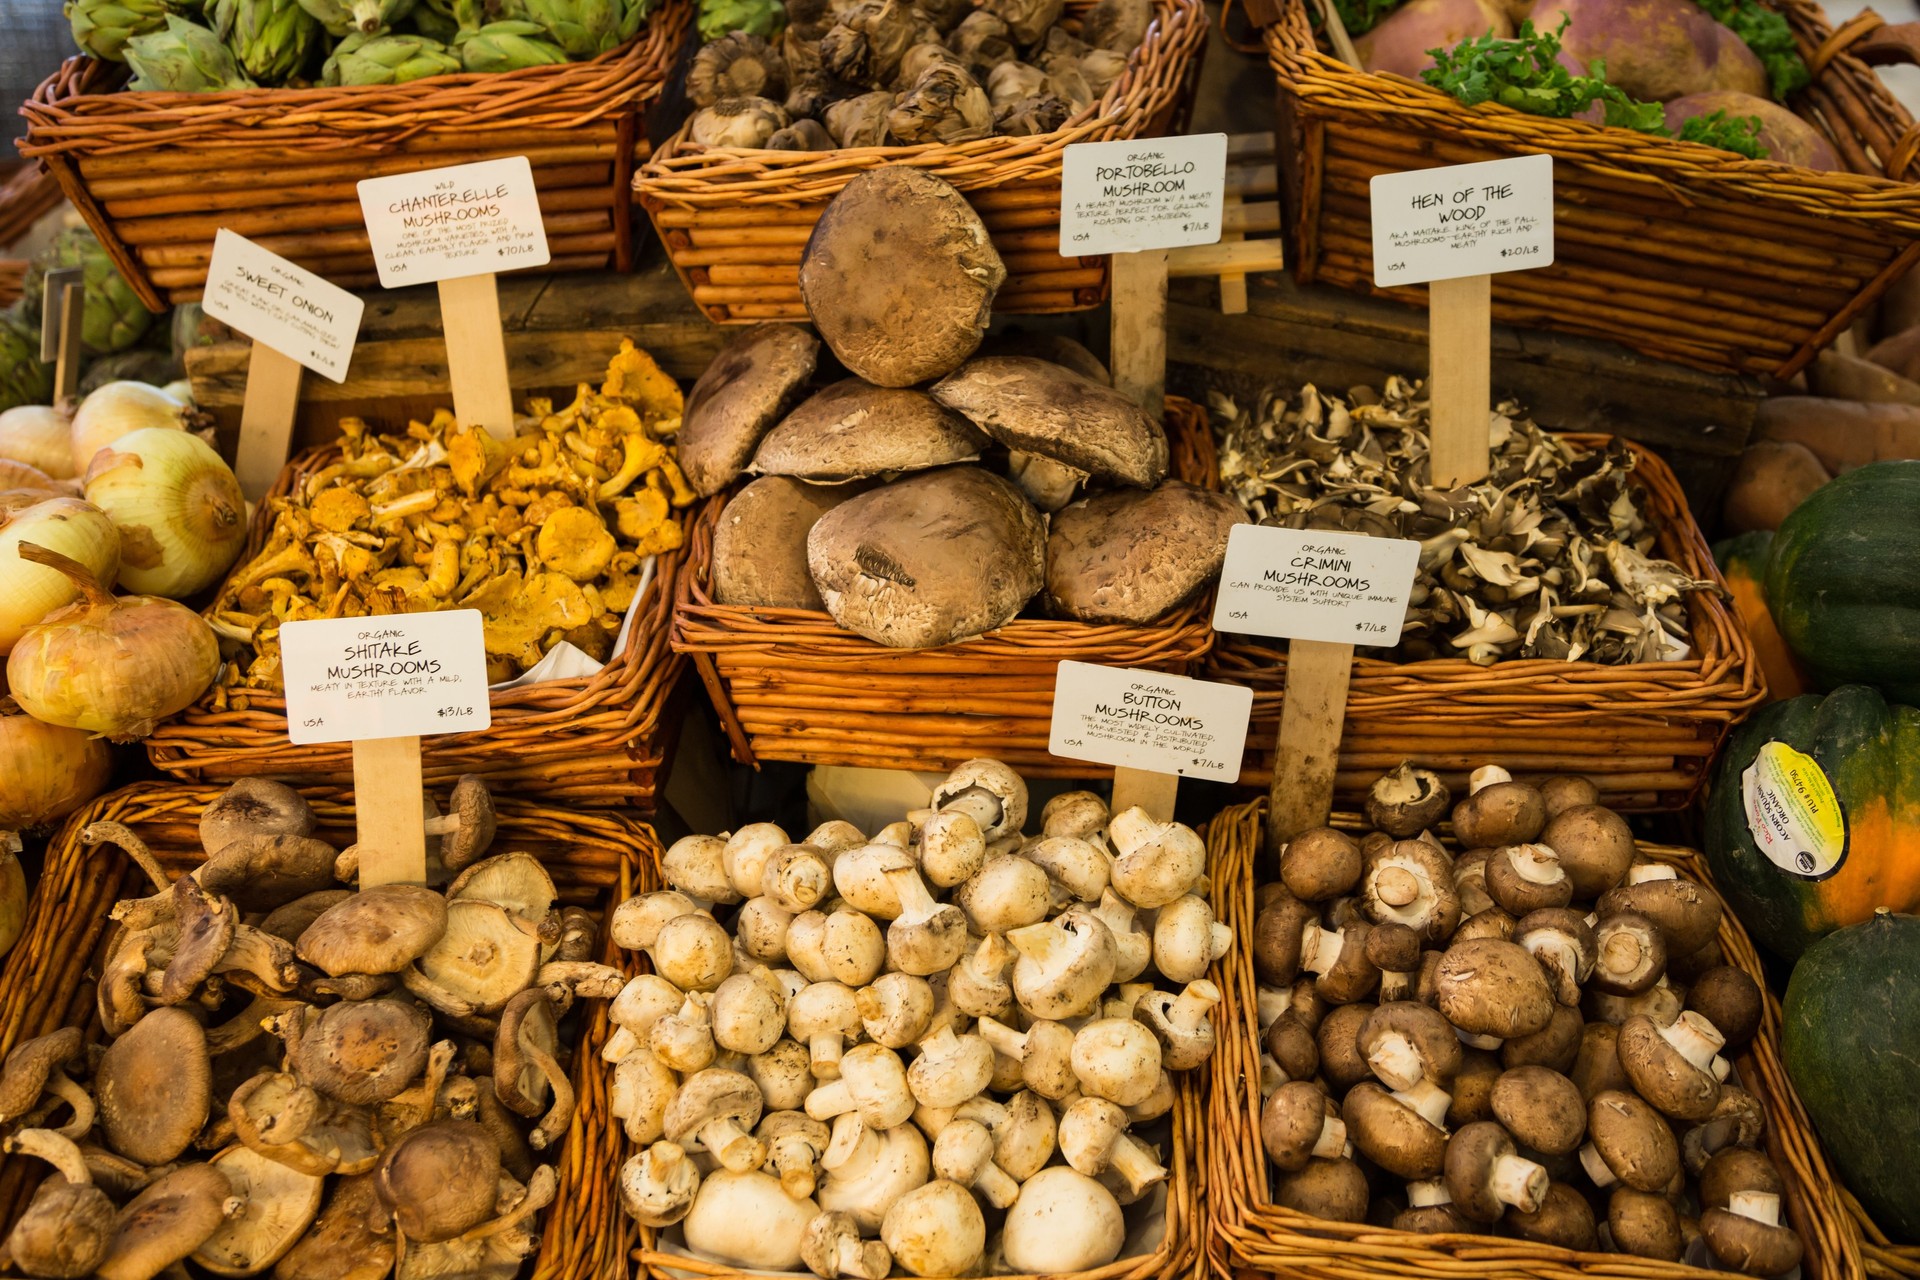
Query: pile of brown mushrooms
pixel 1528 1038
pixel 1551 556
pixel 918 517
pixel 304 1079
pixel 869 73
pixel 830 1065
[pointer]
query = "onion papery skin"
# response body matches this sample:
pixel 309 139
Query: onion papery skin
pixel 46 772
pixel 119 409
pixel 40 436
pixel 29 592
pixel 17 476
pixel 180 512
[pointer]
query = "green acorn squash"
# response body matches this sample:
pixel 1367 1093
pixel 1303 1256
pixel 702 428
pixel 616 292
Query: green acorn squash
pixel 1850 1037
pixel 1843 580
pixel 1743 563
pixel 1814 820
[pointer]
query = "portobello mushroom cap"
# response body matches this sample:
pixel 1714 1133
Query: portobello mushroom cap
pixel 1040 407
pixel 928 560
pixel 1130 556
pixel 742 393
pixel 899 276
pixel 852 430
pixel 760 543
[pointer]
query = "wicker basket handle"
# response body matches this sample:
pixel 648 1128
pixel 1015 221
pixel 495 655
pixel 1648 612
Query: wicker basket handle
pixel 1872 39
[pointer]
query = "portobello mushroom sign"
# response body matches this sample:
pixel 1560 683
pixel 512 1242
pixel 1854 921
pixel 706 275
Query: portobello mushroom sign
pixel 1145 193
pixel 396 676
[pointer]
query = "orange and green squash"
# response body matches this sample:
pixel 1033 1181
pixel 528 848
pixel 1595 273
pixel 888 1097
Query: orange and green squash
pixel 1743 563
pixel 1814 819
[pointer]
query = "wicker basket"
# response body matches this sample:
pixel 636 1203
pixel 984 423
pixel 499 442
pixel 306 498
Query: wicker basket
pixel 599 740
pixel 791 685
pixel 735 222
pixel 595 860
pixel 156 174
pixel 1643 733
pixel 1267 1238
pixel 27 194
pixel 1884 1259
pixel 1678 250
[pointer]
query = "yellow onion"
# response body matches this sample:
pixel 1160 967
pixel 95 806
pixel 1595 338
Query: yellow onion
pixel 181 516
pixel 111 667
pixel 46 772
pixel 18 475
pixel 40 436
pixel 120 409
pixel 29 592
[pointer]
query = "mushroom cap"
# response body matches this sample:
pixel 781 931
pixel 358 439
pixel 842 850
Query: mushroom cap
pixel 1596 1064
pixel 1332 1189
pixel 747 1220
pixel 1662 1075
pixel 899 276
pixel 1117 1059
pixel 1338 1040
pixel 28 1066
pixel 1565 791
pixel 1473 1153
pixel 1063 1222
pixel 64 1232
pixel 1542 1109
pixel 1630 954
pixel 288 922
pixel 1492 988
pixel 281 1205
pixel 1420 1026
pixel 760 543
pixel 1407 800
pixel 486 956
pixel 168 1220
pixel 517 883
pixel 1058 348
pixel 1392 1134
pixel 440 1180
pixel 1499 814
pixel 852 429
pixel 153 1087
pixel 363 1051
pixel 1524 878
pixel 1737 1169
pixel 1730 1000
pixel 1276 938
pixel 254 805
pixel 1564 1218
pixel 1291 1120
pixel 349 1227
pixel 741 394
pixel 1595 847
pixel 1757 1248
pixel 935 1230
pixel 1633 1140
pixel 1319 864
pixel 1644 1224
pixel 1393 947
pixel 709 1095
pixel 1686 913
pixel 379 930
pixel 526 1023
pixel 1040 407
pixel 472 804
pixel 206 925
pixel 1131 556
pixel 1554 1046
pixel 937 557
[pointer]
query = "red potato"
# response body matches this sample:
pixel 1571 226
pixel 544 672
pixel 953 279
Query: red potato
pixel 1655 50
pixel 1399 45
pixel 1843 434
pixel 1787 138
pixel 1774 477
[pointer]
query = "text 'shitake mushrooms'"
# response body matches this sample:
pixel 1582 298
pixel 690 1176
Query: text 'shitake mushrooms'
pixel 743 392
pixel 1128 556
pixel 937 557
pixel 851 430
pixel 899 276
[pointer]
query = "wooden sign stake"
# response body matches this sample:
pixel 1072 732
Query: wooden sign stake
pixel 71 346
pixel 1459 377
pixel 1150 791
pixel 477 354
pixel 1307 751
pixel 387 811
pixel 1139 327
pixel 266 419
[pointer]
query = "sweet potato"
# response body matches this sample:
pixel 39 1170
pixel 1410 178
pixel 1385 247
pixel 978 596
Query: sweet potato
pixel 1399 44
pixel 1900 353
pixel 1842 377
pixel 1656 50
pixel 1900 305
pixel 1772 479
pixel 1843 434
pixel 1787 138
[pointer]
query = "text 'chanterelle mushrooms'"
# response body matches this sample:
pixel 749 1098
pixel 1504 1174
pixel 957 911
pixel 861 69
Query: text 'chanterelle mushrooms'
pixel 914 1052
pixel 305 1080
pixel 1521 1038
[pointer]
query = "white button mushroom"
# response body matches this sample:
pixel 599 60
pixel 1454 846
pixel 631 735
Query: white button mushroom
pixel 833 1250
pixel 1187 939
pixel 1079 869
pixel 1155 862
pixel 637 921
pixel 860 877
pixel 746 1220
pixel 824 1016
pixel 1093 1137
pixel 963 1153
pixel 950 1069
pixel 978 984
pixel 639 1092
pixel 872 1082
pixel 925 936
pixel 749 1012
pixel 1044 1051
pixel 1117 1059
pixel 1063 1222
pixel 657 1185
pixel 1064 965
pixel 1180 1023
pixel 952 848
pixel 936 1230
pixel 684 1040
pixel 896 1009
pixel 843 945
pixel 746 853
pixel 1007 893
pixel 718 1109
pixel 988 792
pixel 693 952
pixel 867 1169
pixel 696 866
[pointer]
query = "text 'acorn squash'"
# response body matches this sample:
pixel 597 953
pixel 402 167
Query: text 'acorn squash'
pixel 1814 819
pixel 1743 562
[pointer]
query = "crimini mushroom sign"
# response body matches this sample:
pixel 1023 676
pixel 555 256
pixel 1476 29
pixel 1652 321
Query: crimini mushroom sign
pixel 912 1052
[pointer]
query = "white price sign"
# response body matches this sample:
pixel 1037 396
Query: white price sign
pixel 282 305
pixel 1462 220
pixel 1149 193
pixel 1146 720
pixel 400 676
pixel 1340 588
pixel 463 220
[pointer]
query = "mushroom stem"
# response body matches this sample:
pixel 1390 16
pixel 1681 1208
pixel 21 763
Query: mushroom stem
pixel 734 1147
pixel 1396 1061
pixel 1474 1040
pixel 1694 1038
pixel 1396 886
pixel 61 1087
pixel 825 1050
pixel 1131 828
pixel 1536 864
pixel 553 1125
pixel 1135 1164
pixel 1189 1009
pixel 55 1148
pixel 1517 1181
pixel 977 803
pixel 1596 1167
pixel 1485 776
pixel 1332 1142
pixel 850 1259
pixel 121 836
pixel 1319 949
pixel 1426 1099
pixel 1648 871
pixel 1427 1194
pixel 996 1185
pixel 1761 1206
pixel 1038 942
pixel 792 1158
pixel 827 1102
pixel 915 902
pixel 537 1196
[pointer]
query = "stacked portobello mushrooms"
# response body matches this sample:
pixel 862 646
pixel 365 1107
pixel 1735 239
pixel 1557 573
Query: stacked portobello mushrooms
pixel 931 495
pixel 832 1066
pixel 304 1079
pixel 1530 1038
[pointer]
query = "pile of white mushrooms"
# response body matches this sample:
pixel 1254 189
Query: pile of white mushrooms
pixel 830 1066
pixel 1531 1037
pixel 304 1079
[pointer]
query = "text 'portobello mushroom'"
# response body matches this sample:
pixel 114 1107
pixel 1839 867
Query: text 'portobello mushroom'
pixel 930 559
pixel 852 429
pixel 760 543
pixel 899 276
pixel 1038 407
pixel 743 392
pixel 1131 556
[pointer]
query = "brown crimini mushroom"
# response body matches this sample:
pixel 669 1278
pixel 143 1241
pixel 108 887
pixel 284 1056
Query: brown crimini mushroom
pixel 1492 991
pixel 1542 1109
pixel 1730 1000
pixel 1407 800
pixel 1686 913
pixel 1410 882
pixel 1560 939
pixel 440 1180
pixel 1748 1235
pixel 1472 1088
pixel 851 430
pixel 1492 923
pixel 1594 846
pixel 1321 864
pixel 1293 1047
pixel 760 545
pixel 937 557
pixel 1738 1120
pixel 1332 1189
pixel 1564 1218
pixel 1414 1052
pixel 1630 954
pixel 1554 1046
pixel 1566 791
pixel 378 930
pixel 1736 1170
pixel 1523 878
pixel 1042 408
pixel 1673 1067
pixel 1394 949
pixel 1644 1224
pixel 1486 1177
pixel 1392 1134
pixel 899 276
pixel 1277 931
pixel 153 1087
pixel 1127 556
pixel 1499 811
pixel 1430 1210
pixel 742 393
pixel 1628 1142
pixel 1298 1123
pixel 1338 1040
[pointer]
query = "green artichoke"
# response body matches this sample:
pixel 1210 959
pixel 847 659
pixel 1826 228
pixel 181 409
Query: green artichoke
pixel 115 317
pixel 271 39
pixel 388 59
pixel 755 17
pixel 633 13
pixel 184 58
pixel 23 378
pixel 434 22
pixel 370 17
pixel 584 28
pixel 103 27
pixel 508 46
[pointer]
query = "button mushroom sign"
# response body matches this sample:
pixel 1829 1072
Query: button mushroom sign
pixel 1152 727
pixel 382 684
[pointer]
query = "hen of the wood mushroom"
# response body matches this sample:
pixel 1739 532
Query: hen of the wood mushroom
pixel 743 392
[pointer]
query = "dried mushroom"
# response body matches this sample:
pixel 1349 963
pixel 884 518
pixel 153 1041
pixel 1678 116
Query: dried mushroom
pixel 944 105
pixel 859 121
pixel 1551 556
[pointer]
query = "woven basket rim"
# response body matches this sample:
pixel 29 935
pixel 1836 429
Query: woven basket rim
pixel 683 174
pixel 1323 85
pixel 79 110
pixel 1241 1205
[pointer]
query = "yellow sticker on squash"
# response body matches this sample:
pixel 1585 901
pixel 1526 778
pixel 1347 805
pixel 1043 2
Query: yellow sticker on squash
pixel 1792 813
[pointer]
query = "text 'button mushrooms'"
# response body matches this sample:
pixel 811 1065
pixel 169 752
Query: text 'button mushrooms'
pixel 852 430
pixel 746 389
